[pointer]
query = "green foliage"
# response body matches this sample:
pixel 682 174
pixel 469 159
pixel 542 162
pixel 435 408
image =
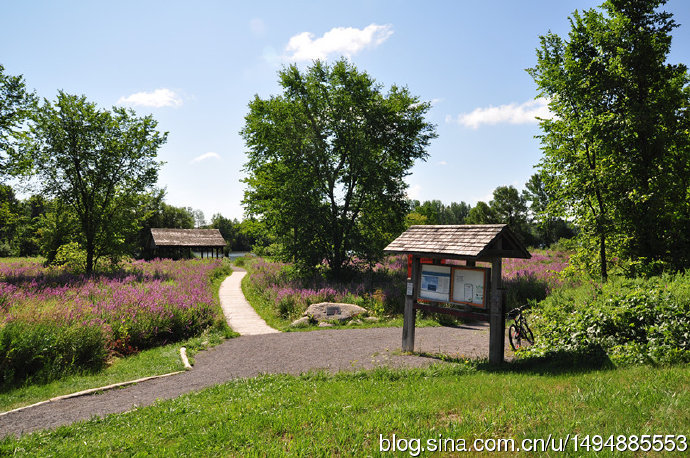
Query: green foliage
pixel 436 212
pixel 616 151
pixel 72 256
pixel 630 320
pixel 327 160
pixel 97 163
pixel 481 214
pixel 237 234
pixel 45 351
pixel 16 107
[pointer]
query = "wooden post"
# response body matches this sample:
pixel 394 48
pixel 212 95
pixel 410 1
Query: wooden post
pixel 409 313
pixel 497 324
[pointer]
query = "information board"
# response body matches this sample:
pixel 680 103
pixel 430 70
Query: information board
pixel 469 286
pixel 435 285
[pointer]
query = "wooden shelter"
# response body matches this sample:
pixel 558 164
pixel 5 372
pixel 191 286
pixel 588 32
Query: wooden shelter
pixel 447 282
pixel 178 243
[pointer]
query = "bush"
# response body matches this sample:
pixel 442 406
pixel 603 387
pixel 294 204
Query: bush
pixel 72 256
pixel 632 321
pixel 45 351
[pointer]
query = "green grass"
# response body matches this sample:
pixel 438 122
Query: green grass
pixel 266 311
pixel 156 361
pixel 344 414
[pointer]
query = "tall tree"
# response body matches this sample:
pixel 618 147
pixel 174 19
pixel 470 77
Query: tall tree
pixel 16 106
pixel 97 163
pixel 481 214
pixel 617 152
pixel 327 160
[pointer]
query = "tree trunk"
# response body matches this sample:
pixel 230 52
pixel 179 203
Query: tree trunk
pixel 89 255
pixel 602 256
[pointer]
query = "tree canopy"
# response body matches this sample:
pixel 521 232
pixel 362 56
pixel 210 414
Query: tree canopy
pixel 98 163
pixel 16 107
pixel 327 159
pixel 617 151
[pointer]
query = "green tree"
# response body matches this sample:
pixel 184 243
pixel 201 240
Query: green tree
pixel 481 214
pixel 16 107
pixel 327 160
pixel 510 207
pixel 548 229
pixel 10 217
pixel 458 212
pixel 97 163
pixel 617 152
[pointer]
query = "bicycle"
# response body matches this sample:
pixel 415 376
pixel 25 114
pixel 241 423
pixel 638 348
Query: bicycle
pixel 518 332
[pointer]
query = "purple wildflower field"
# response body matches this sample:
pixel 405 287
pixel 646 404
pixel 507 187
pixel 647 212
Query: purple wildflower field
pixel 382 290
pixel 545 265
pixel 142 305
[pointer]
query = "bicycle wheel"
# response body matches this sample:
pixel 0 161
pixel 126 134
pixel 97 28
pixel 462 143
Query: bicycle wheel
pixel 527 333
pixel 514 337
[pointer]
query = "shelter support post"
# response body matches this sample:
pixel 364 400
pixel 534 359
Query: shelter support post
pixel 409 314
pixel 497 324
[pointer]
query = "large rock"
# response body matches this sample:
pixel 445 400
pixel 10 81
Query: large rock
pixel 333 311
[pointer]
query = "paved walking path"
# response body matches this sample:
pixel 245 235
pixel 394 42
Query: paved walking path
pixel 251 355
pixel 240 316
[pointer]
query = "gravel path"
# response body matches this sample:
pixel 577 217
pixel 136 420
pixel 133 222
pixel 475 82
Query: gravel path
pixel 251 355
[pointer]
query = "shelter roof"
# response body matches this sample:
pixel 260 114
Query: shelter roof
pixel 187 237
pixel 468 241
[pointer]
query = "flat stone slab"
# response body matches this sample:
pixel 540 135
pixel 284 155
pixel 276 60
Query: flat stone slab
pixel 334 311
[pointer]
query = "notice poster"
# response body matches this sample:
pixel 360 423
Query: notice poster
pixel 469 286
pixel 435 283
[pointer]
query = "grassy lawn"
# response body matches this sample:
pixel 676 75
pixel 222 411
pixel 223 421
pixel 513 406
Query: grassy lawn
pixel 345 414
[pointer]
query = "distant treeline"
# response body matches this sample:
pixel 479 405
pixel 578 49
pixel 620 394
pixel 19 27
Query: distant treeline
pixel 523 211
pixel 39 226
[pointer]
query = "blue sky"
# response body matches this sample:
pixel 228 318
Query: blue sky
pixel 196 65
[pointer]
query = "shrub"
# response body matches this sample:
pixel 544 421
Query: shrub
pixel 72 256
pixel 632 321
pixel 45 351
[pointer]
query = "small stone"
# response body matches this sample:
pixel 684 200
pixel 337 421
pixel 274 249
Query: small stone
pixel 325 324
pixel 356 321
pixel 300 322
pixel 371 319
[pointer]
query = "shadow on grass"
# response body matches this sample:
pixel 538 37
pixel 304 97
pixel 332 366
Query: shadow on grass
pixel 555 363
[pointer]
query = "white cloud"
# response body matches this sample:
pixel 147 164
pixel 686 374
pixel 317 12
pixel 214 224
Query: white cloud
pixel 442 163
pixel 203 157
pixel 513 114
pixel 346 41
pixel 159 98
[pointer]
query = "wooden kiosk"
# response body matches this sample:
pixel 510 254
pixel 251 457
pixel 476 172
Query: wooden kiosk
pixel 437 280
